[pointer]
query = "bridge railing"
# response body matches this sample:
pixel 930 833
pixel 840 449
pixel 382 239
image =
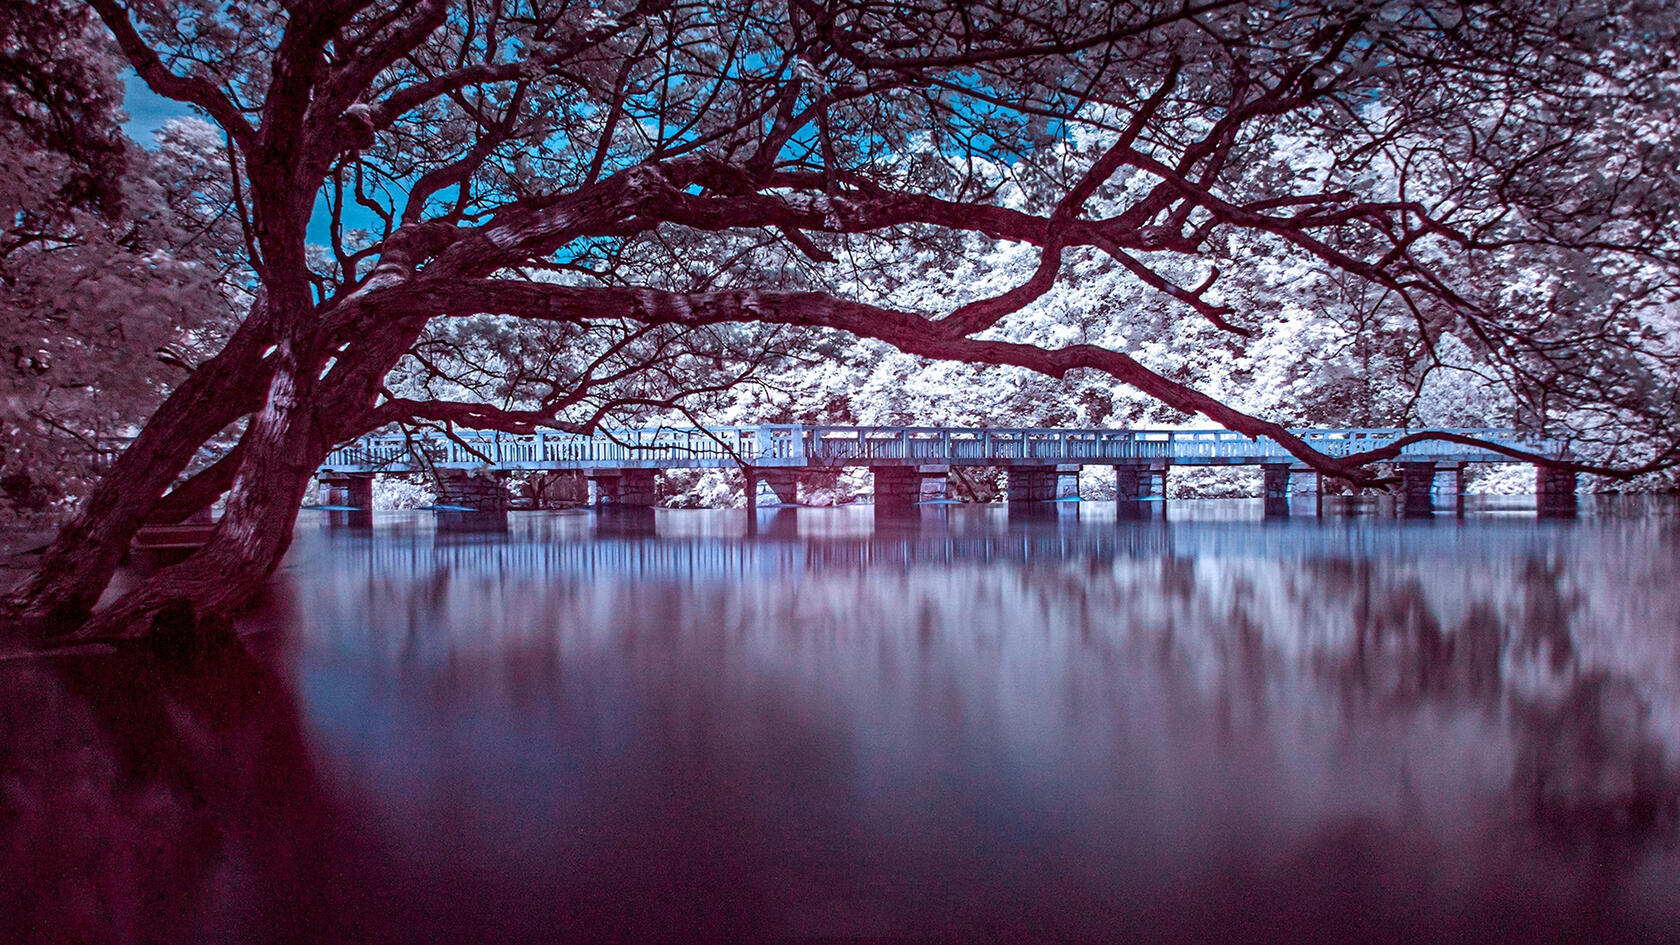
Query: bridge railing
pixel 722 446
pixel 860 444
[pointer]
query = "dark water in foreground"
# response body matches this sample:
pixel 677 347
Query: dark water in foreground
pixel 971 730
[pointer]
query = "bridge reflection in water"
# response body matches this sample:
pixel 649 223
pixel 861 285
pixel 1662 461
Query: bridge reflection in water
pixel 777 547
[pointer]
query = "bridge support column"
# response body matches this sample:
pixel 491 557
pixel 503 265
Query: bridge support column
pixel 1139 482
pixel 1274 489
pixel 623 488
pixel 1043 483
pixel 344 489
pixel 484 492
pixel 1417 490
pixel 1140 490
pixel 1554 492
pixel 778 489
pixel 557 489
pixel 899 488
pixel 355 489
pixel 775 486
pixel 1457 478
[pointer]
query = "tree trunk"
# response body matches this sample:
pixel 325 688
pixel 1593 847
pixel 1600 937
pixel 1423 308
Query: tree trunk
pixel 282 449
pixel 304 415
pixel 79 563
pixel 199 491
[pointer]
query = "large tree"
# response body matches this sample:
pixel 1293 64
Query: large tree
pixel 639 175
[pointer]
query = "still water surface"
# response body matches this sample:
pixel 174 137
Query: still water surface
pixel 963 729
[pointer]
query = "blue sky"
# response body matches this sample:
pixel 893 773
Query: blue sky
pixel 147 111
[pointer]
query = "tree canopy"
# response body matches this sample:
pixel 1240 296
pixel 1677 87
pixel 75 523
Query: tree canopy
pixel 541 212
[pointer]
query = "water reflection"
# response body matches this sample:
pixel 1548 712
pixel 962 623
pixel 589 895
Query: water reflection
pixel 166 800
pixel 967 726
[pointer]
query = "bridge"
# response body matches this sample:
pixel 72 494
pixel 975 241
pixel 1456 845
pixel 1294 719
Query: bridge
pixel 910 465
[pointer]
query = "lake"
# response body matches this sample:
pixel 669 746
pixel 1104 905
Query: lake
pixel 963 727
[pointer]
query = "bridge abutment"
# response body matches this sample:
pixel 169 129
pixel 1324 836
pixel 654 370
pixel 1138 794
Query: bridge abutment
pixel 1554 492
pixel 623 488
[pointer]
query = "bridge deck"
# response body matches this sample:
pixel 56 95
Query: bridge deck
pixel 798 446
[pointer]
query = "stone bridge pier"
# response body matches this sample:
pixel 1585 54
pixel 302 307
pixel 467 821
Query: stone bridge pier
pixel 1417 489
pixel 1554 492
pixel 1419 482
pixel 1274 488
pixel 624 501
pixel 623 488
pixel 1455 473
pixel 481 490
pixel 353 490
pixel 1140 490
pixel 1043 483
pixel 771 487
pixel 899 488
pixel 772 502
pixel 1140 482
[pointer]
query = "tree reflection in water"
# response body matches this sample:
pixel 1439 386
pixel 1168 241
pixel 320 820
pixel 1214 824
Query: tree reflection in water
pixel 972 730
pixel 163 799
